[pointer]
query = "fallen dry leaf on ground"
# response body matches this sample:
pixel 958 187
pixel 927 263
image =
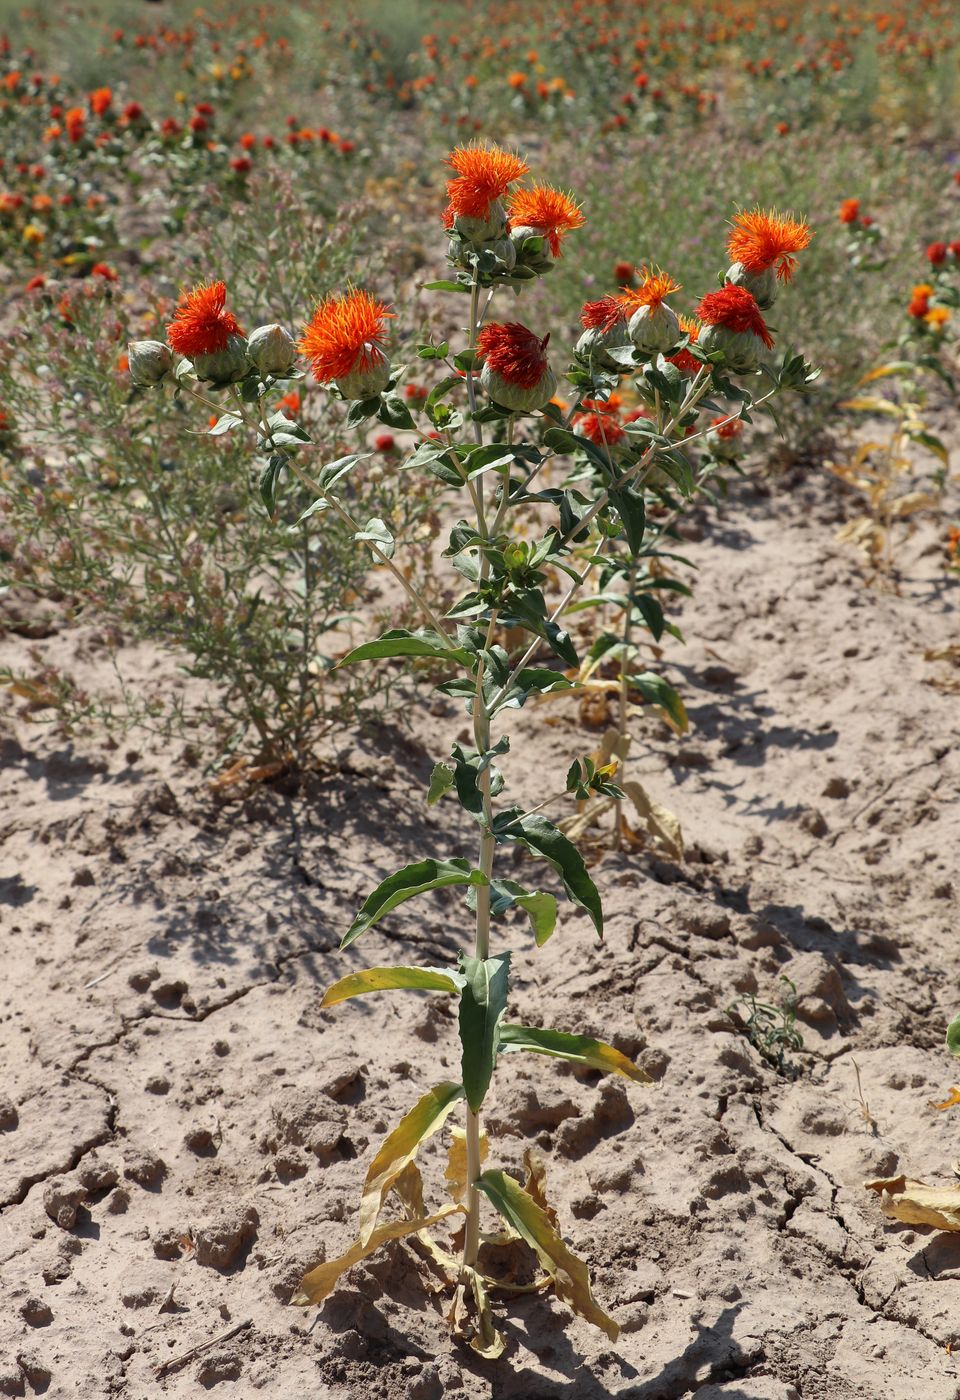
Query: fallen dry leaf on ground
pixel 916 1203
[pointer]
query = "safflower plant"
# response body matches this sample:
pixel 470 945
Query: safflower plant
pixel 503 452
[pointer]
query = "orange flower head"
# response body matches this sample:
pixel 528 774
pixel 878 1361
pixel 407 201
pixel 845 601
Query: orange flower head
pixel 100 101
pixel 345 334
pixel 483 173
pixel 736 310
pixel 602 429
pixel 604 314
pixel 684 361
pixel 201 324
pixel 551 212
pixel 849 211
pixel 653 291
pixel 514 352
pixel 761 239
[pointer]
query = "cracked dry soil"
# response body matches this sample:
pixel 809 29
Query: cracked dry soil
pixel 182 1130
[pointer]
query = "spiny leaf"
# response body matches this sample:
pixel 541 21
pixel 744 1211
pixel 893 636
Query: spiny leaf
pixel 579 1049
pixel 569 1273
pixel 403 884
pixel 400 1147
pixel 385 979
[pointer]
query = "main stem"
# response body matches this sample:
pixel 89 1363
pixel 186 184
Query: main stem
pixel 624 696
pixel 481 738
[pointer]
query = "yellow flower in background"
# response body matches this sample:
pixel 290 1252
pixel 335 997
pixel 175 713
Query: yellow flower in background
pixel 937 317
pixel 33 233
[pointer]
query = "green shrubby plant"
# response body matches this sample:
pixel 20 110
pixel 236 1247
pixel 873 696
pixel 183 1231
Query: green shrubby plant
pixel 149 531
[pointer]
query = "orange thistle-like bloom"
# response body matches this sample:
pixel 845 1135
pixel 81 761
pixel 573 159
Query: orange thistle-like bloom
pixel 684 361
pixel 760 239
pixel 653 291
pixel 513 352
pixel 604 314
pixel 201 324
pixel 849 211
pixel 344 334
pixel 727 427
pixel 736 310
pixel 100 101
pixel 599 428
pixel 551 212
pixel 483 174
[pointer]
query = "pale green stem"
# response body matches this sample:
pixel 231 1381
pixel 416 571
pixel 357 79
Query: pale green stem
pixel 622 713
pixel 481 733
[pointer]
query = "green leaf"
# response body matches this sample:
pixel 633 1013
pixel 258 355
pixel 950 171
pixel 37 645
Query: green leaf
pixel 953 1037
pixel 483 1000
pixel 532 1223
pixel 441 781
pixel 400 642
pixel 376 531
pixel 400 1148
pixel 403 884
pixel 629 504
pixel 389 979
pixel 655 689
pixel 268 481
pixel 443 286
pixel 540 908
pixel 393 411
pixel 579 1049
pixel 224 424
pixel 543 839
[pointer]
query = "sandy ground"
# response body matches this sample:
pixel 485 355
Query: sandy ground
pixel 183 1131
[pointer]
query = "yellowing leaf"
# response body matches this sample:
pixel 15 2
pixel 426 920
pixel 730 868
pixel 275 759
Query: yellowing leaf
pixel 871 404
pixel 408 1187
pixel 951 1102
pixel 910 503
pixel 883 371
pixel 659 822
pixel 456 1172
pixel 579 1049
pixel 486 1341
pixel 916 1203
pixel 382 979
pixel 320 1282
pixel 400 1147
pixel 569 1274
pixel 535 1185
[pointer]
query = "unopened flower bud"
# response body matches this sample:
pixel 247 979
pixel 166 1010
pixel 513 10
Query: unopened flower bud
pixel 150 362
pixel 763 285
pixel 271 350
pixel 224 366
pixel 741 349
pixel 477 230
pixel 595 342
pixel 540 260
pixel 370 377
pixel 655 329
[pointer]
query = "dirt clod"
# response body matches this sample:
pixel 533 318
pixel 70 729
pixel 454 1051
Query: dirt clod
pixel 220 1243
pixel 62 1198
